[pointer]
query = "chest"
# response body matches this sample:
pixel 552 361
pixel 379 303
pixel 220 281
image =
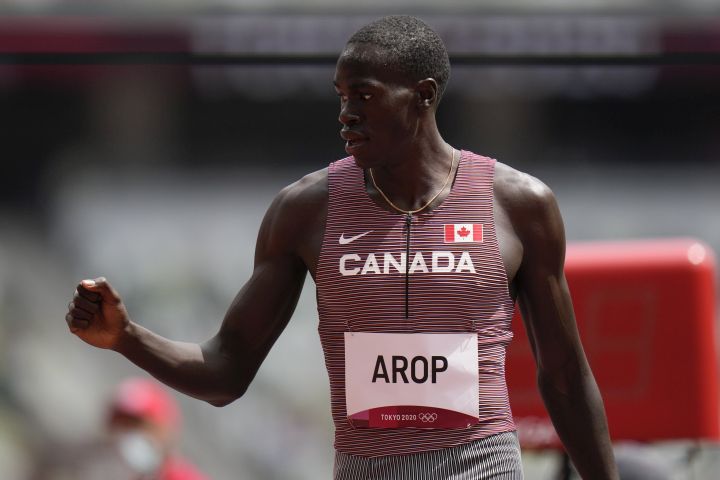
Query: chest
pixel 411 273
pixel 373 259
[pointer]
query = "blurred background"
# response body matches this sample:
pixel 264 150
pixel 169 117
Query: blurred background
pixel 157 176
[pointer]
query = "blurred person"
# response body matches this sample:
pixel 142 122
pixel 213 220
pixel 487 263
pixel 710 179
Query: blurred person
pixel 144 423
pixel 142 426
pixel 418 251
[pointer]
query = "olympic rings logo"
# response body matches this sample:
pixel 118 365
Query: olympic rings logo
pixel 427 417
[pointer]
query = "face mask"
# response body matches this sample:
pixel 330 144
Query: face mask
pixel 140 452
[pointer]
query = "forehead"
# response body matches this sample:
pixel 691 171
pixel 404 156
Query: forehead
pixel 367 64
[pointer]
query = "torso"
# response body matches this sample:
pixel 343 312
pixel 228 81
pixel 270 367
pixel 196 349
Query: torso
pixel 314 192
pixel 455 285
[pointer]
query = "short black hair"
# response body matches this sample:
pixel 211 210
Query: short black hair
pixel 413 48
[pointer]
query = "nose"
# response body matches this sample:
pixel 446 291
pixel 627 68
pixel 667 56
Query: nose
pixel 348 115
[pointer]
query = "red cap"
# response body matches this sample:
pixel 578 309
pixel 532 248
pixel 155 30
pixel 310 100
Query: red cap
pixel 146 399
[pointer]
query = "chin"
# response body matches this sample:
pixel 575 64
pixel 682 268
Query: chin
pixel 366 161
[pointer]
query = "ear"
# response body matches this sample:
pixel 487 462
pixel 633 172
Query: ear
pixel 427 91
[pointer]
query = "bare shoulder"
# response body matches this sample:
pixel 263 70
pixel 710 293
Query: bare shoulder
pixel 295 221
pixel 300 201
pixel 531 208
pixel 520 193
pixel 312 189
pixel 525 199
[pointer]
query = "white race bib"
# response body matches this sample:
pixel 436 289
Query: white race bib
pixel 417 380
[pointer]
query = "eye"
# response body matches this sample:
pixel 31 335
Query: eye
pixel 366 96
pixel 343 98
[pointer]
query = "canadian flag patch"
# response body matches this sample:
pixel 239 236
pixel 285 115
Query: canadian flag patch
pixel 463 233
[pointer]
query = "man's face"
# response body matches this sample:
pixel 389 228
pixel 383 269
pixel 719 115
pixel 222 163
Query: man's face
pixel 378 107
pixel 143 445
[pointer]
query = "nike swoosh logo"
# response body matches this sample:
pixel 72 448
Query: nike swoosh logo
pixel 344 241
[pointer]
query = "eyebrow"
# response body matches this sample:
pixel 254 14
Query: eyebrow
pixel 356 85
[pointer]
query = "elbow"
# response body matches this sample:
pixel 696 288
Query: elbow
pixel 230 379
pixel 226 382
pixel 220 402
pixel 550 383
pixel 563 379
pixel 227 397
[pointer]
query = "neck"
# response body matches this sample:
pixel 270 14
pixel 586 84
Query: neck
pixel 417 173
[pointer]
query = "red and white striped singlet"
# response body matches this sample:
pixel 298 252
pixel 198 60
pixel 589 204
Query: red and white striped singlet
pixel 361 286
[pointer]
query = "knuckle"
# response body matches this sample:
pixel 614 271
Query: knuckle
pixel 89 296
pixel 83 304
pixel 79 323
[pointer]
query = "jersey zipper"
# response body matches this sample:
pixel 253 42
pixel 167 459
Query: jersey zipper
pixel 408 223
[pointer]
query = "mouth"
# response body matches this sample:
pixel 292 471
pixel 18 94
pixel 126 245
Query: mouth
pixel 351 146
pixel 353 141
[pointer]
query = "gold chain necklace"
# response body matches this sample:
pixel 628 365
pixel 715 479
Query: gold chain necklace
pixel 412 212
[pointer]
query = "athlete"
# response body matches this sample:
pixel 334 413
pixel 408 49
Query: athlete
pixel 418 251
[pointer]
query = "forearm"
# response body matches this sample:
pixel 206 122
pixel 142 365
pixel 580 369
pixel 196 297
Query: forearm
pixel 578 414
pixel 200 371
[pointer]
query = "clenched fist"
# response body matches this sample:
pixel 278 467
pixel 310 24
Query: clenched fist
pixel 96 314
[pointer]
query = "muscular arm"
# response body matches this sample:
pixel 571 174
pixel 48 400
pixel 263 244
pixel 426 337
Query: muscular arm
pixel 564 377
pixel 220 369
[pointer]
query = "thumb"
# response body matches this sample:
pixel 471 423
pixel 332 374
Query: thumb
pixel 102 287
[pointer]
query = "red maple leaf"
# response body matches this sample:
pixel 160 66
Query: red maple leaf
pixel 463 232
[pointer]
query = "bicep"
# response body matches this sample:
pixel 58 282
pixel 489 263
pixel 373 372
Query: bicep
pixel 262 308
pixel 543 292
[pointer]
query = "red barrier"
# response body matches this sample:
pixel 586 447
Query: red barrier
pixel 646 315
